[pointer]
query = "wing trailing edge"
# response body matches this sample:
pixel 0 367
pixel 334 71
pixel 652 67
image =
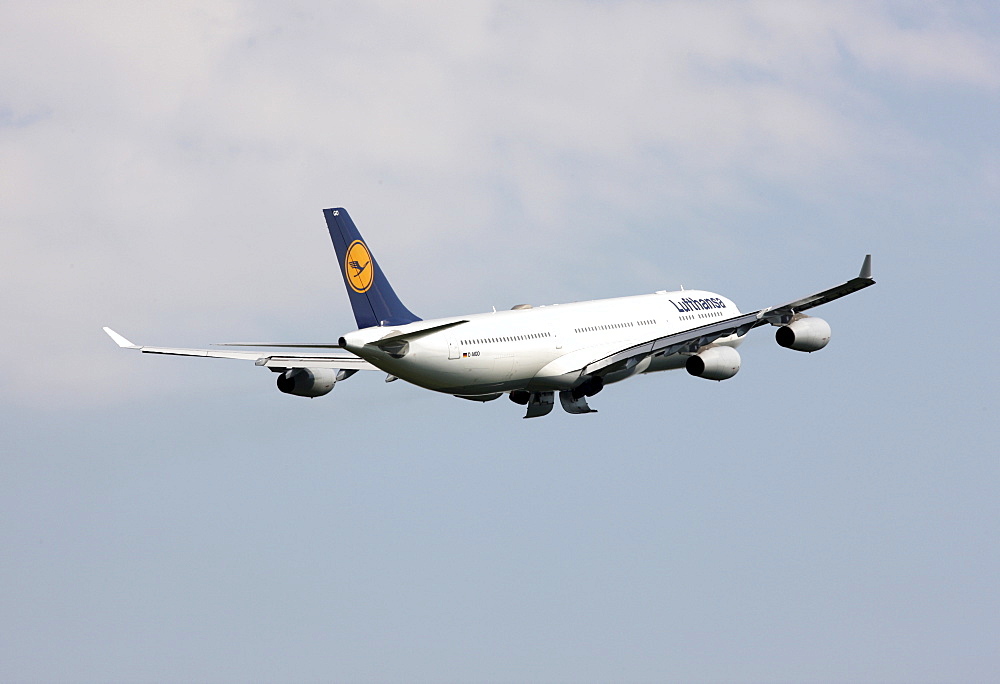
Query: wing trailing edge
pixel 344 361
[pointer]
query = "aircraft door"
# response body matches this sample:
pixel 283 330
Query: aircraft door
pixel 454 352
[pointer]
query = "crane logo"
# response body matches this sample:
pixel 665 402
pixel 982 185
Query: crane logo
pixel 358 267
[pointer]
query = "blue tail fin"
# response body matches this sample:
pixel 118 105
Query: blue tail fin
pixel 372 297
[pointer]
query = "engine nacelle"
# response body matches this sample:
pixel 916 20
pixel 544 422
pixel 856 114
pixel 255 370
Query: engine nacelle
pixel 806 334
pixel 307 382
pixel 715 363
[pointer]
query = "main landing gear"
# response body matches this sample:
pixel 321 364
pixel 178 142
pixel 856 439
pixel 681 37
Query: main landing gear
pixel 573 401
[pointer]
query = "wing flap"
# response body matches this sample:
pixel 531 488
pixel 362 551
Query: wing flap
pixel 281 345
pixel 316 361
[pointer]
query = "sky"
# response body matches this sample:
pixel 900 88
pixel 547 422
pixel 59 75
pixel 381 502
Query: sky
pixel 828 517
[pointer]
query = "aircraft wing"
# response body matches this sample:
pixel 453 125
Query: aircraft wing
pixel 864 279
pixel 341 361
pixel 685 341
pixel 692 340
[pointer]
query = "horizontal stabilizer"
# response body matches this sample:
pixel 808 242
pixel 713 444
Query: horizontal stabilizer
pixel 414 334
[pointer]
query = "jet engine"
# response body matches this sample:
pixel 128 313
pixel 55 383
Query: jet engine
pixel 714 363
pixel 307 382
pixel 807 334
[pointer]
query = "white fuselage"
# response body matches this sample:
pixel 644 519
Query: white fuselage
pixel 541 348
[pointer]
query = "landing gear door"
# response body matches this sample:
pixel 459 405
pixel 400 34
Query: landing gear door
pixel 453 349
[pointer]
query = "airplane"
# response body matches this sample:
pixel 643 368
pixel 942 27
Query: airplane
pixel 530 353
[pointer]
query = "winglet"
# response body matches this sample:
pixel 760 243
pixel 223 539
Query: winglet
pixel 866 268
pixel 119 340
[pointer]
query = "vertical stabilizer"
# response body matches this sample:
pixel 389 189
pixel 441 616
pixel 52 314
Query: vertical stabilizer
pixel 372 298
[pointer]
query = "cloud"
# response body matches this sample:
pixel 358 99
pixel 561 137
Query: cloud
pixel 164 166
